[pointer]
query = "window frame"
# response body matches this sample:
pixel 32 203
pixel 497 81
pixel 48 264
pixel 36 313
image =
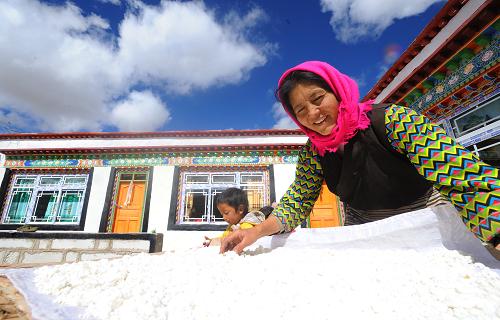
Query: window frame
pixel 8 188
pixel 178 193
pixel 455 127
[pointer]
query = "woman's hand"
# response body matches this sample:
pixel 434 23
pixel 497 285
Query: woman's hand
pixel 239 240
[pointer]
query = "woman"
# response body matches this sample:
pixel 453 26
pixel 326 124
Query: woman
pixel 381 160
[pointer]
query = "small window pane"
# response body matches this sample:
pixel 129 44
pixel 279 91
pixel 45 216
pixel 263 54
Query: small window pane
pixel 75 180
pixel 126 176
pixel 251 178
pixel 24 181
pixel 44 207
pixel 69 209
pixel 255 197
pixel 223 179
pixel 18 206
pixel 50 181
pixel 195 205
pixel 491 155
pixel 140 177
pixel 216 215
pixel 191 178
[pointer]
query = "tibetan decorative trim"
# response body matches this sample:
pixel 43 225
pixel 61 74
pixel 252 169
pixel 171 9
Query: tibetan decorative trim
pixel 239 158
pixel 484 60
pixel 460 105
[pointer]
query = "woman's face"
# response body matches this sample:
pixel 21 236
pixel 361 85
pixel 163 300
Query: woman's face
pixel 314 107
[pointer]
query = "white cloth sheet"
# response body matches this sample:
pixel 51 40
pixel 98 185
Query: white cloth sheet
pixel 420 230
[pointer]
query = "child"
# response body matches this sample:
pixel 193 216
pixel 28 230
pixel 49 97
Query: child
pixel 233 206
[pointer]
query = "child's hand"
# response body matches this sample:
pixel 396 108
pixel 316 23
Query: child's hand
pixel 207 241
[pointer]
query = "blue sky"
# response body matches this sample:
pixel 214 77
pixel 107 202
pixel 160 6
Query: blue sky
pixel 130 65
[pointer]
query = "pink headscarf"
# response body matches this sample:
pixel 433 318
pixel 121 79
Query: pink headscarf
pixel 352 114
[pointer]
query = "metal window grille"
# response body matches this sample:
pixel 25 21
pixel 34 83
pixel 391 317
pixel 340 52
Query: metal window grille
pixel 199 192
pixel 45 199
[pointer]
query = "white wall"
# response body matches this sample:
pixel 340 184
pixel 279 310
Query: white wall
pixel 2 173
pixel 37 144
pixel 97 197
pixel 161 192
pixel 283 177
pixel 182 240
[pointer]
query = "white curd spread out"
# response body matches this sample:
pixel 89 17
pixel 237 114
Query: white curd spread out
pixel 284 283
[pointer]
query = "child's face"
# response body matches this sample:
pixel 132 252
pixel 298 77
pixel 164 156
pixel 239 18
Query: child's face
pixel 230 214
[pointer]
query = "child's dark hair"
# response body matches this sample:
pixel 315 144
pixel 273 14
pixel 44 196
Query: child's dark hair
pixel 234 197
pixel 294 78
pixel 266 210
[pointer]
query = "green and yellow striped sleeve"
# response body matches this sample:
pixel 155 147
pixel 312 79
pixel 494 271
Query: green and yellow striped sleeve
pixel 300 197
pixel 471 185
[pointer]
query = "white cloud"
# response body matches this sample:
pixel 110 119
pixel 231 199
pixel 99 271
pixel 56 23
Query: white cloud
pixel 353 20
pixel 11 122
pixel 141 111
pixel 182 46
pixel 283 120
pixel 242 23
pixel 66 70
pixel 115 2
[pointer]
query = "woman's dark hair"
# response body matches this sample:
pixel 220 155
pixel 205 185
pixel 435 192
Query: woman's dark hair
pixel 266 210
pixel 234 197
pixel 292 80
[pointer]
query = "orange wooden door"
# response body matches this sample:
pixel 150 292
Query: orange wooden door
pixel 129 206
pixel 325 212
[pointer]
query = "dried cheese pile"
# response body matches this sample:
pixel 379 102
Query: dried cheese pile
pixel 283 283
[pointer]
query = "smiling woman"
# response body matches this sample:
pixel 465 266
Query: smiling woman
pixel 315 108
pixel 381 160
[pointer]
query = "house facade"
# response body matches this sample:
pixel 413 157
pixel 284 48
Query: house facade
pixel 158 182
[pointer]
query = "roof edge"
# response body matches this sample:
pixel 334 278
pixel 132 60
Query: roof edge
pixel 161 134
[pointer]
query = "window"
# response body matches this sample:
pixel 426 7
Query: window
pixel 488 151
pixel 198 192
pixel 476 117
pixel 45 199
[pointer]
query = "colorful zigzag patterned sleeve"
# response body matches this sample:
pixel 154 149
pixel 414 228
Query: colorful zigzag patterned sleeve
pixel 472 186
pixel 300 197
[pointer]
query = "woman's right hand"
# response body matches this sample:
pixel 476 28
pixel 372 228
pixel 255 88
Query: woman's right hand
pixel 239 240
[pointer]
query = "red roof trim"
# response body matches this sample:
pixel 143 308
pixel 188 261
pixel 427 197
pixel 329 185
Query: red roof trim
pixel 449 10
pixel 152 149
pixel 137 135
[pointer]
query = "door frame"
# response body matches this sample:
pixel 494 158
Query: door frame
pixel 148 171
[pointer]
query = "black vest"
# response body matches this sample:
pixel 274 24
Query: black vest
pixel 370 174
